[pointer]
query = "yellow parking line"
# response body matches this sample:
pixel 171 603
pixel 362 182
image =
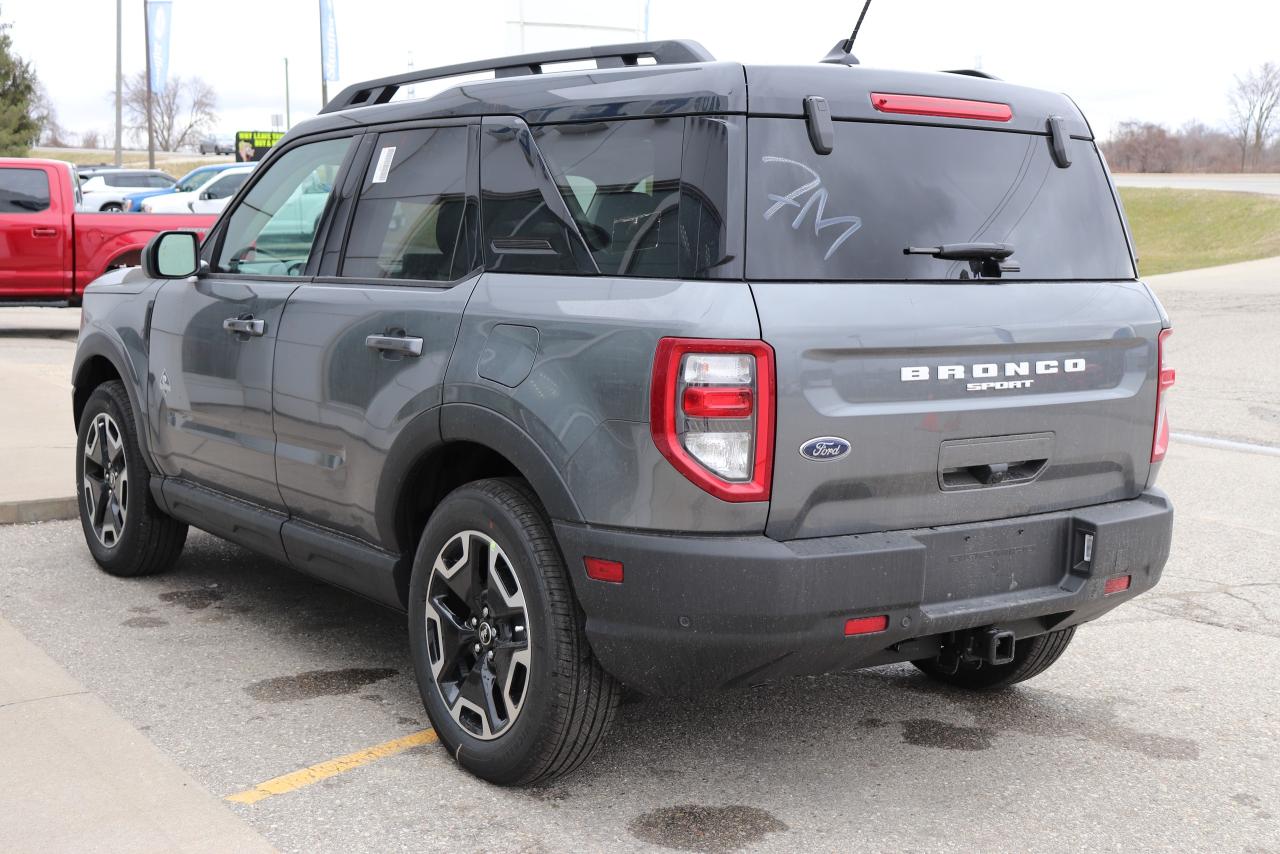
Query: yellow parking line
pixel 324 770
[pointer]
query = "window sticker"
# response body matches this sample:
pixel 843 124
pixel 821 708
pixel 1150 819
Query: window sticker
pixel 380 172
pixel 818 195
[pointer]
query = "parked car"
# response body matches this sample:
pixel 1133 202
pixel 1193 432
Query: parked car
pixel 105 190
pixel 49 251
pixel 679 374
pixel 193 180
pixel 212 193
pixel 217 145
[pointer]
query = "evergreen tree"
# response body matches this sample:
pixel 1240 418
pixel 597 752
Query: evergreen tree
pixel 19 127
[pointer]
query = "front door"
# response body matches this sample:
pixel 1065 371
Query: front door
pixel 33 237
pixel 213 338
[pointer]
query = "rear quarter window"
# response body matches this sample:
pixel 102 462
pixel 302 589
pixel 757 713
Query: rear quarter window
pixel 850 214
pixel 23 191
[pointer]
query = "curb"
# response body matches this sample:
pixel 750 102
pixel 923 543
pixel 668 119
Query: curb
pixel 39 510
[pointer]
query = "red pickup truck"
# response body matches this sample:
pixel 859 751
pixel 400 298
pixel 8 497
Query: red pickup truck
pixel 48 251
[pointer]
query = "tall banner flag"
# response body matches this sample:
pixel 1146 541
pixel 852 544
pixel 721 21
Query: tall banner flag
pixel 159 14
pixel 328 41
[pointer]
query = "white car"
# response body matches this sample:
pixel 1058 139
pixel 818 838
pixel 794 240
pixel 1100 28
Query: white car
pixel 105 189
pixel 210 197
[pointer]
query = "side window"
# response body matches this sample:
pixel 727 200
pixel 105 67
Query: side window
pixel 271 231
pixel 159 182
pixel 23 191
pixel 226 186
pixel 527 226
pixel 409 217
pixel 621 181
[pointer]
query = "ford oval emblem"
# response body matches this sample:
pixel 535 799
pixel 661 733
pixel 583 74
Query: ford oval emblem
pixel 824 448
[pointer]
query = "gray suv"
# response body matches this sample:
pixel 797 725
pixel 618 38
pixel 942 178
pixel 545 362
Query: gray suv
pixel 670 374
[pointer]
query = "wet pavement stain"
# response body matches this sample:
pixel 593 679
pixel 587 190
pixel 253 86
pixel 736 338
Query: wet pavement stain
pixel 145 622
pixel 696 827
pixel 142 609
pixel 195 599
pixel 926 732
pixel 317 683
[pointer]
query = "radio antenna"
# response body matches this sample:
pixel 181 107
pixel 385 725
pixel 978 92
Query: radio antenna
pixel 842 53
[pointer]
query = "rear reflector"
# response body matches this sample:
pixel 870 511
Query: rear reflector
pixel 1118 584
pixel 866 625
pixel 951 108
pixel 603 570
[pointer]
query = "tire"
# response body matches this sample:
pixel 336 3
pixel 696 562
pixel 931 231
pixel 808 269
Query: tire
pixel 127 533
pixel 111 207
pixel 547 703
pixel 1031 657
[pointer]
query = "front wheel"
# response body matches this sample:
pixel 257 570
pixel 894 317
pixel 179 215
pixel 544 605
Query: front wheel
pixel 127 533
pixel 1031 657
pixel 502 662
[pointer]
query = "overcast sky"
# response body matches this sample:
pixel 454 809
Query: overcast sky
pixel 1168 62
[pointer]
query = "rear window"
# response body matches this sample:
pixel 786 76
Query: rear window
pixel 23 191
pixel 885 187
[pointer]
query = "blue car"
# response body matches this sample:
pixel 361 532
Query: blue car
pixel 193 180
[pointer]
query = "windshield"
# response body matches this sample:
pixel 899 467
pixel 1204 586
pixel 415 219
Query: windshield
pixel 192 181
pixel 886 187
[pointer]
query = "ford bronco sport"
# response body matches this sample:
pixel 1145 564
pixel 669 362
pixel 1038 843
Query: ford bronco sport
pixel 671 374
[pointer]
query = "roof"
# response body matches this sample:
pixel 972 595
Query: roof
pixel 680 87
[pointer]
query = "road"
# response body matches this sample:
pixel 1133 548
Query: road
pixel 1243 183
pixel 1158 730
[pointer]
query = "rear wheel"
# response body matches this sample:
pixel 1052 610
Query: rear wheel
pixel 1031 657
pixel 112 207
pixel 503 665
pixel 127 533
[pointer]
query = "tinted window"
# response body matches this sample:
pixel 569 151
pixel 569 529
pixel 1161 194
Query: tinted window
pixel 527 225
pixel 621 181
pixel 271 230
pixel 23 191
pixel 850 215
pixel 158 182
pixel 194 180
pixel 226 186
pixel 410 212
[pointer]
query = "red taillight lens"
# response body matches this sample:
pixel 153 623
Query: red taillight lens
pixel 866 625
pixel 1117 584
pixel 951 108
pixel 711 414
pixel 603 570
pixel 711 402
pixel 1160 439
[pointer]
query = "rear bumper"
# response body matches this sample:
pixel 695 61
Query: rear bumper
pixel 702 612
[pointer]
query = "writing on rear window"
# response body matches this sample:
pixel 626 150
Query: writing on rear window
pixel 817 199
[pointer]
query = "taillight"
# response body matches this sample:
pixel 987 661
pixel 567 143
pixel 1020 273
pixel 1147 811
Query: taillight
pixel 1166 377
pixel 951 108
pixel 711 414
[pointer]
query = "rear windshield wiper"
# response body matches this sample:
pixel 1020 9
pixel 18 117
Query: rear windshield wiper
pixel 985 259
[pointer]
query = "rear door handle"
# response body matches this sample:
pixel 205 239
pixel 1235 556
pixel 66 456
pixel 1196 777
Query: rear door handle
pixel 402 344
pixel 44 231
pixel 245 326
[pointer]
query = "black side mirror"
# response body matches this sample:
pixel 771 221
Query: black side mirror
pixel 172 255
pixel 206 195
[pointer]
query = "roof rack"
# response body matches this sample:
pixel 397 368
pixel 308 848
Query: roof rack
pixel 381 90
pixel 970 72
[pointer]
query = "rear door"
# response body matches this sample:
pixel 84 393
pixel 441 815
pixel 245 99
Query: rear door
pixel 213 338
pixel 33 236
pixel 918 391
pixel 363 348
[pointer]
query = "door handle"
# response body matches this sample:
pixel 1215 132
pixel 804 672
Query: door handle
pixel 403 344
pixel 245 326
pixel 44 231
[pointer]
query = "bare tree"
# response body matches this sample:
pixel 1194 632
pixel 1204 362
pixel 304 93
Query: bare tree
pixel 90 139
pixel 1254 102
pixel 52 133
pixel 180 112
pixel 1143 147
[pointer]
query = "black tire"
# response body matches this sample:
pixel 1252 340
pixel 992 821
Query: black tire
pixel 568 700
pixel 1031 657
pixel 112 207
pixel 148 541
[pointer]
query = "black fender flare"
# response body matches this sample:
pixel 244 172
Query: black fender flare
pixel 95 343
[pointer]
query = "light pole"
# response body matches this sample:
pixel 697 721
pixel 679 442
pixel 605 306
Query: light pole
pixel 146 43
pixel 324 78
pixel 288 121
pixel 119 81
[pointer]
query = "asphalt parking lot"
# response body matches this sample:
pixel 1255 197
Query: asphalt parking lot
pixel 1158 730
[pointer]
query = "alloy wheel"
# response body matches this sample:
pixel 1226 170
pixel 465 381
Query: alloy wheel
pixel 106 480
pixel 478 634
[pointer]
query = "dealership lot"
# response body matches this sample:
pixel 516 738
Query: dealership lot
pixel 1157 730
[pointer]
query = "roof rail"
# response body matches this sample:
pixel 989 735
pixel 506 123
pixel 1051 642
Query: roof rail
pixel 970 72
pixel 382 89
